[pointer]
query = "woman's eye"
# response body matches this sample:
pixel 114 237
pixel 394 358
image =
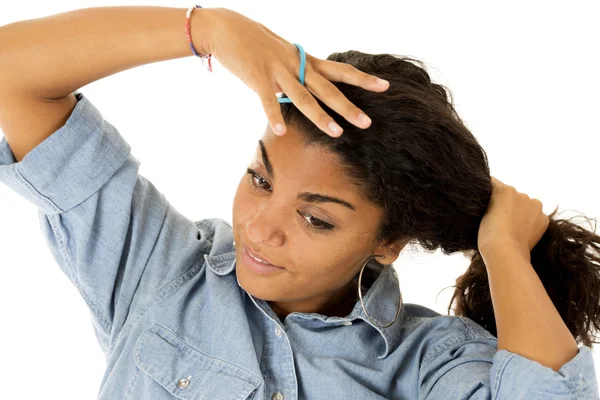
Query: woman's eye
pixel 254 177
pixel 257 183
pixel 315 223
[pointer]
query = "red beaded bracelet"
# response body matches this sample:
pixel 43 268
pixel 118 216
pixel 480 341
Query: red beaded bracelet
pixel 188 35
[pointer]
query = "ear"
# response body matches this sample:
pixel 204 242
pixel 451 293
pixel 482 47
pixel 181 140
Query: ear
pixel 391 250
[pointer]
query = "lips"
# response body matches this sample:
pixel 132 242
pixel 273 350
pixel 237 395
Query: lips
pixel 259 256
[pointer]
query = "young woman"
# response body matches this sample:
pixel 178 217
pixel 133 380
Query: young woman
pixel 297 298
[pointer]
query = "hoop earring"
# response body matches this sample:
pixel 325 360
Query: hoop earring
pixel 363 304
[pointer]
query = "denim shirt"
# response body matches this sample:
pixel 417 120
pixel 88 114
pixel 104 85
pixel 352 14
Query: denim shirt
pixel 174 323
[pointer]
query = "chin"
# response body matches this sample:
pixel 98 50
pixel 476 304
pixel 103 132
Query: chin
pixel 261 289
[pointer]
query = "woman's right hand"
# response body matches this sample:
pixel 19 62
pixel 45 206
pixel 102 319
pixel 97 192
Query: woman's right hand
pixel 269 64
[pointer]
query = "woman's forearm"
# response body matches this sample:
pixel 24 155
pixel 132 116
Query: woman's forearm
pixel 527 322
pixel 50 57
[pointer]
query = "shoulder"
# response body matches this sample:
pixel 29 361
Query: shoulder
pixel 431 320
pixel 434 333
pixel 418 311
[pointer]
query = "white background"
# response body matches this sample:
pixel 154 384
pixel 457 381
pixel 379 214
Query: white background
pixel 524 78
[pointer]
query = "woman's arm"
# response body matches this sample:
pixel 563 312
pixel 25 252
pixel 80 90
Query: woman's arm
pixel 45 59
pixel 527 322
pixel 50 57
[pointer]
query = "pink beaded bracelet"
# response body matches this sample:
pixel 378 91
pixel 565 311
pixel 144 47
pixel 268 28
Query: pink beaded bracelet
pixel 188 35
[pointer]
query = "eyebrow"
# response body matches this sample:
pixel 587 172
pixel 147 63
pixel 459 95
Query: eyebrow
pixel 305 196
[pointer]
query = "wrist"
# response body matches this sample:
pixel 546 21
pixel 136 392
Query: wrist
pixel 504 248
pixel 201 23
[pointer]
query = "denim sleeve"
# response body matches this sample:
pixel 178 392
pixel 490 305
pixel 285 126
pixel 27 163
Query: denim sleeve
pixel 109 229
pixel 470 367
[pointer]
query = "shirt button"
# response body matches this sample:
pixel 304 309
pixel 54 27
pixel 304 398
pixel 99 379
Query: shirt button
pixel 278 332
pixel 347 323
pixel 183 383
pixel 277 396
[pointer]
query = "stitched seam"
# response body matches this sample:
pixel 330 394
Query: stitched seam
pixel 581 381
pixel 62 246
pixel 485 335
pixel 440 348
pixel 188 348
pixel 164 218
pixel 448 371
pixel 175 283
pixel 467 326
pixel 500 375
pixel 168 288
pixel 586 384
pixel 133 381
pixel 33 191
pixel 244 395
pixel 105 322
pixel 160 294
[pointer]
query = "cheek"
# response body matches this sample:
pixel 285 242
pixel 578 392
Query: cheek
pixel 340 265
pixel 322 263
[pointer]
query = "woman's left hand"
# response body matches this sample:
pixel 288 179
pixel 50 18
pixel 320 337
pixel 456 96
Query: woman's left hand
pixel 512 218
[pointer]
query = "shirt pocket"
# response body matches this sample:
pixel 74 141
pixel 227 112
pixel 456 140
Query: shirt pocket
pixel 187 373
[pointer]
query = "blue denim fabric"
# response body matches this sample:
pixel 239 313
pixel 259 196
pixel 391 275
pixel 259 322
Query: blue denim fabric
pixel 166 305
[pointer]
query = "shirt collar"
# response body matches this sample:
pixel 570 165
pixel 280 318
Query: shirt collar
pixel 381 299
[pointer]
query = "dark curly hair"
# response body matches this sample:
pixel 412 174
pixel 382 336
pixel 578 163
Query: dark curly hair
pixel 420 163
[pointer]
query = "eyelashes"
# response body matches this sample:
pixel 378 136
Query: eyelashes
pixel 317 225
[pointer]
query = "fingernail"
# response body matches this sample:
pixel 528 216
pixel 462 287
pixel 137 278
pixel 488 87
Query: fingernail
pixel 382 82
pixel 279 129
pixel 333 127
pixel 364 119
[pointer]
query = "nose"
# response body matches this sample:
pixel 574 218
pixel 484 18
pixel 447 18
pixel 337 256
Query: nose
pixel 265 227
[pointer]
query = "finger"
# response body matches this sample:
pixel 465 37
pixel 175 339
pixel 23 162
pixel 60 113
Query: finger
pixel 308 105
pixel 335 99
pixel 343 72
pixel 272 109
pixel 538 203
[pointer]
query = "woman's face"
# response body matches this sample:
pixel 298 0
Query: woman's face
pixel 320 245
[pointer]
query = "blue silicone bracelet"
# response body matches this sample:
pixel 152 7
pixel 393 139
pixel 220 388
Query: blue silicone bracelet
pixel 302 64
